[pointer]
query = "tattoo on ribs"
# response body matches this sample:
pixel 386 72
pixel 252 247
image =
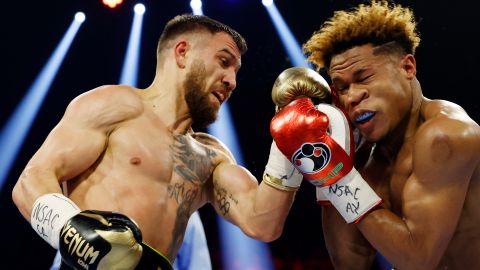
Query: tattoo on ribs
pixel 191 165
pixel 183 213
pixel 182 194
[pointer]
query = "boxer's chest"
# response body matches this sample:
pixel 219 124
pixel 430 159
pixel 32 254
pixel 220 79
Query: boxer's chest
pixel 388 177
pixel 151 150
pixel 192 161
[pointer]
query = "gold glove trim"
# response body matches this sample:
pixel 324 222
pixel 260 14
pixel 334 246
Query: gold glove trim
pixel 152 259
pixel 277 183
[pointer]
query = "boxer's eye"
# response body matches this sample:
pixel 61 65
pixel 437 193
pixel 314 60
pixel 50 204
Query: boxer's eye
pixel 340 88
pixel 224 62
pixel 363 79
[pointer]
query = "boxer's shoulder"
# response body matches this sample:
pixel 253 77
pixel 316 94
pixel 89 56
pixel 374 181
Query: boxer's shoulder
pixel 442 110
pixel 106 105
pixel 214 143
pixel 447 134
pixel 442 119
pixel 110 95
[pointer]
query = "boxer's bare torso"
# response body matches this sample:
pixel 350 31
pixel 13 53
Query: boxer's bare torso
pixel 395 176
pixel 133 151
pixel 147 171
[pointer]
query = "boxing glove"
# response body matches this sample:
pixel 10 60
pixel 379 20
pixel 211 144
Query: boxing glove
pixel 297 82
pixel 280 173
pixel 100 240
pixel 87 239
pixel 318 143
pixel 291 84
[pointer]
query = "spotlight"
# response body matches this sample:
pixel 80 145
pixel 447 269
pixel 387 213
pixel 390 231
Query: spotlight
pixel 112 3
pixel 267 2
pixel 291 45
pixel 15 130
pixel 196 4
pixel 139 9
pixel 80 17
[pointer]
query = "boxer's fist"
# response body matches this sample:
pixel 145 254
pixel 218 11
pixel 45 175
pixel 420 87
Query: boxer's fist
pixel 100 240
pixel 302 134
pixel 296 82
pixel 280 173
pixel 317 140
pixel 291 84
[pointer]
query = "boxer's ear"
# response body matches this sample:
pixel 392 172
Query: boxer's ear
pixel 409 65
pixel 180 51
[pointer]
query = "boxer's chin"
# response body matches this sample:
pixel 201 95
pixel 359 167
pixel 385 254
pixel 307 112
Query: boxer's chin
pixel 202 111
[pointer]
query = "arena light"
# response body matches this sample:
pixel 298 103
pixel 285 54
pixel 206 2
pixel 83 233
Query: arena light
pixel 80 17
pixel 289 42
pixel 196 6
pixel 267 2
pixel 139 9
pixel 130 63
pixel 239 251
pixel 112 3
pixel 17 126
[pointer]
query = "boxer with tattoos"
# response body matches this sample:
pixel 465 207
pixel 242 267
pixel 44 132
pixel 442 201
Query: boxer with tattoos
pixel 133 170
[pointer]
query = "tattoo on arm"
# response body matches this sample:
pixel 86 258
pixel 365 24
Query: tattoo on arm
pixel 224 200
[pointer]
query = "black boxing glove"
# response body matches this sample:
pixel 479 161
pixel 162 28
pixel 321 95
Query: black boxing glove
pixel 100 240
pixel 88 239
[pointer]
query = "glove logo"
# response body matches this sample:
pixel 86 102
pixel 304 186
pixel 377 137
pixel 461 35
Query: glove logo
pixel 311 157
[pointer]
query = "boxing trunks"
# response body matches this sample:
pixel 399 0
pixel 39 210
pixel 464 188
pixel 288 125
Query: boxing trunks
pixel 151 260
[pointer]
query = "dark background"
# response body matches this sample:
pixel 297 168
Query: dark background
pixel 447 61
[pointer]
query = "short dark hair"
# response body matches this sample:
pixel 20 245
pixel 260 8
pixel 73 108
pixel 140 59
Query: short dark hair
pixel 189 23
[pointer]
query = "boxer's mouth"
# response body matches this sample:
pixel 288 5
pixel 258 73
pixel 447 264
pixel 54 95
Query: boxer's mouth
pixel 364 117
pixel 219 96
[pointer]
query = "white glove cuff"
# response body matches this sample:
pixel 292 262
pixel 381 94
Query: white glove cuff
pixel 352 196
pixel 49 213
pixel 321 197
pixel 280 173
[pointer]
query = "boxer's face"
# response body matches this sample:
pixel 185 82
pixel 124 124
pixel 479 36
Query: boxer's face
pixel 212 77
pixel 197 98
pixel 372 88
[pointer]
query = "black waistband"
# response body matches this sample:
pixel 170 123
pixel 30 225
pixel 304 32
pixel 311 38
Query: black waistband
pixel 151 260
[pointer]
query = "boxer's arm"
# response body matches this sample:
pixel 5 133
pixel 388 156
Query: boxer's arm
pixel 71 147
pixel 445 155
pixel 347 247
pixel 258 210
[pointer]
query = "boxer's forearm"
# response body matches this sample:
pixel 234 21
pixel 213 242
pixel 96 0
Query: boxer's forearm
pixel 347 247
pixel 403 246
pixel 270 210
pixel 259 210
pixel 32 183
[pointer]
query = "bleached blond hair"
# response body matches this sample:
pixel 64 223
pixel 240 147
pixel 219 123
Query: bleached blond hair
pixel 378 23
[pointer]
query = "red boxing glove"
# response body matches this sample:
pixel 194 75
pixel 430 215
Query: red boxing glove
pixel 318 142
pixel 301 133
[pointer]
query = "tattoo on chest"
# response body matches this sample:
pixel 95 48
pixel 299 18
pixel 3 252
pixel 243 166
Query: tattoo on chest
pixel 182 194
pixel 192 164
